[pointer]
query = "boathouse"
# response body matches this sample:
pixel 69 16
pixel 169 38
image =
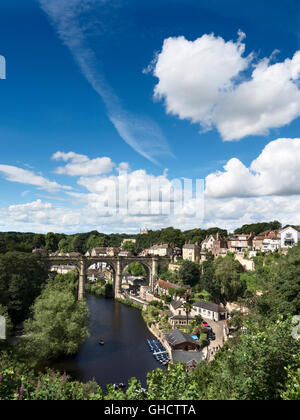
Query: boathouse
pixel 179 340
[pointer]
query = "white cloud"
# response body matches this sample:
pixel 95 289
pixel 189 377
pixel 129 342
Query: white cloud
pixel 270 99
pixel 24 176
pixel 126 200
pixel 81 165
pixel 203 81
pixel 276 171
pixel 227 213
pixel 192 74
pixel 231 213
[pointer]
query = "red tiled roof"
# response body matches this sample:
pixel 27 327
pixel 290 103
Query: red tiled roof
pixel 166 285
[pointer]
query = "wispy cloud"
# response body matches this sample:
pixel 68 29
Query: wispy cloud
pixel 69 19
pixel 24 176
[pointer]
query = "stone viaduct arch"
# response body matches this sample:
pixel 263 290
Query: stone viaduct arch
pixel 118 264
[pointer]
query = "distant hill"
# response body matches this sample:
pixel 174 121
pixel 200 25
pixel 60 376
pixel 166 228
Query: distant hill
pixel 258 227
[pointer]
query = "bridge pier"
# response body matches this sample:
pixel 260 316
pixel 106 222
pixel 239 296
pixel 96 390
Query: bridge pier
pixel 82 280
pixel 118 279
pixel 116 262
pixel 154 273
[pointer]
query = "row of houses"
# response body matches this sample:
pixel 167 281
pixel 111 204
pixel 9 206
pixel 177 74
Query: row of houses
pixel 178 315
pixel 268 241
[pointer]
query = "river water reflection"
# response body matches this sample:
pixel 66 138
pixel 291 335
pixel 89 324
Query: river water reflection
pixel 125 353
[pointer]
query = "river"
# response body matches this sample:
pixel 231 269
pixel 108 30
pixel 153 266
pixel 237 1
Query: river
pixel 125 353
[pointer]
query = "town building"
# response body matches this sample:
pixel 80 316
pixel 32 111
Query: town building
pixel 125 254
pixel 105 252
pixel 162 287
pixel 258 240
pixel 191 252
pixel 178 315
pixel 290 236
pixel 179 340
pixel 128 240
pixel 93 274
pixel 161 250
pixel 271 242
pixel 97 252
pixel 209 311
pixel 207 244
pixel 176 253
pixel 39 251
pixel 239 244
pixel 63 269
pixel 219 246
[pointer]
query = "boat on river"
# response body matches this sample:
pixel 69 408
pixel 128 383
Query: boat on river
pixel 158 351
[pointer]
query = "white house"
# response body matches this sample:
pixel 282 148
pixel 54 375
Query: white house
pixel 207 244
pixel 177 314
pixel 289 237
pixel 63 269
pixel 161 250
pixel 209 311
pixel 271 242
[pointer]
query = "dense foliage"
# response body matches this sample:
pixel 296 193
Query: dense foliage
pixel 82 242
pixel 259 362
pixel 21 279
pixel 258 227
pixel 59 322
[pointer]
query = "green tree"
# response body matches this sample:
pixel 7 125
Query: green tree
pixel 173 384
pixel 51 242
pixel 228 277
pixel 282 286
pixel 137 269
pixel 189 273
pixel 21 279
pixel 253 366
pixel 292 386
pixel 39 241
pixel 96 241
pixel 129 247
pixel 59 324
pixel 188 306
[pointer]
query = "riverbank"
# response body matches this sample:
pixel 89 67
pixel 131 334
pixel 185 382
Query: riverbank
pixel 159 335
pixel 125 352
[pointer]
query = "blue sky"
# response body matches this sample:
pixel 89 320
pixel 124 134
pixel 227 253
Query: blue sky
pixel 75 83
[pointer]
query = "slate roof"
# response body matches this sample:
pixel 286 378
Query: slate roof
pixel 190 246
pixel 176 304
pixel 186 356
pixel 175 337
